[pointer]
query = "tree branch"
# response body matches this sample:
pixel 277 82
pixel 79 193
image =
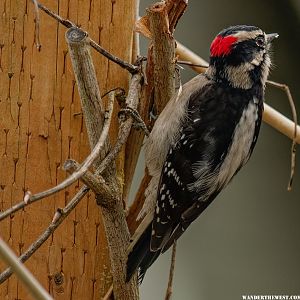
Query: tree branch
pixel 58 218
pixel 67 23
pixel 163 54
pixel 171 274
pixel 113 216
pixel 95 182
pixel 61 214
pixel 286 89
pixel 88 88
pixel 159 25
pixel 34 287
pixel 114 219
pixel 108 294
pixel 125 127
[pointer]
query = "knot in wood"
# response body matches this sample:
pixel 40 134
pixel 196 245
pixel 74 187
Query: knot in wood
pixel 59 280
pixel 75 35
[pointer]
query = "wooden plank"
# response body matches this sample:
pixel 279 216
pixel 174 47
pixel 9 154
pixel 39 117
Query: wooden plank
pixel 41 126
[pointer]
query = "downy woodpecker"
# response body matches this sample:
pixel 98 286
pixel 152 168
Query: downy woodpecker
pixel 201 140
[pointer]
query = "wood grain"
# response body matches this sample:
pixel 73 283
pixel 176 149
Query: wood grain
pixel 41 126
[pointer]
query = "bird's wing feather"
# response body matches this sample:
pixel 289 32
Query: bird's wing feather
pixel 188 178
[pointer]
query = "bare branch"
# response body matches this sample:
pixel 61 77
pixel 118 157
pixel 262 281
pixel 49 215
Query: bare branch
pixel 108 294
pixel 58 218
pixel 61 214
pixel 67 23
pixel 136 37
pixel 196 62
pixel 171 274
pixel 34 287
pixel 95 182
pixel 163 54
pixel 139 122
pixel 125 65
pixel 114 219
pixel 188 63
pixel 175 10
pixel 125 127
pixel 286 89
pixel 86 79
pixel 159 25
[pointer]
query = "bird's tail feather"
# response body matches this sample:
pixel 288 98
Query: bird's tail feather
pixel 141 257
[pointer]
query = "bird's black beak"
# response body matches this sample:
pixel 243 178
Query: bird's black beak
pixel 271 36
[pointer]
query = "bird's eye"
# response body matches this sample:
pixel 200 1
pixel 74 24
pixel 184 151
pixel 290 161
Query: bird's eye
pixel 260 41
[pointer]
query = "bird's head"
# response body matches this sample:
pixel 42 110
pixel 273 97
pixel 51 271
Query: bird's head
pixel 239 56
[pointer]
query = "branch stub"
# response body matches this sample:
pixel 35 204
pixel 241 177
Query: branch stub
pixel 76 35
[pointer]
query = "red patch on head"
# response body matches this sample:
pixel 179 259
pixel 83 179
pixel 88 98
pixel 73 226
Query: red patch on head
pixel 221 46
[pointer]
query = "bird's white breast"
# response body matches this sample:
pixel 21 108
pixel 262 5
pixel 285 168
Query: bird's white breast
pixel 239 150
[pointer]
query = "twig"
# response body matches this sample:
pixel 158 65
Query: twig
pixel 62 214
pixel 171 274
pixel 125 65
pixel 139 122
pixel 58 218
pixel 286 89
pixel 190 64
pixel 67 23
pixel 280 122
pixel 75 176
pixel 123 133
pixel 34 287
pixel 108 294
pixel 124 130
pixel 113 216
pixel 96 183
pixel 136 36
pixel 197 63
pixel 114 219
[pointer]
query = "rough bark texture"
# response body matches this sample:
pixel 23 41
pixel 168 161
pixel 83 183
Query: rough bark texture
pixel 158 25
pixel 41 125
pixel 113 216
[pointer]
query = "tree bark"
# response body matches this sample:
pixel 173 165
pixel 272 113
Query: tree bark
pixel 41 125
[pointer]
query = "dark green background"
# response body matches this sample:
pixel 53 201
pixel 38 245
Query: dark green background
pixel 248 240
